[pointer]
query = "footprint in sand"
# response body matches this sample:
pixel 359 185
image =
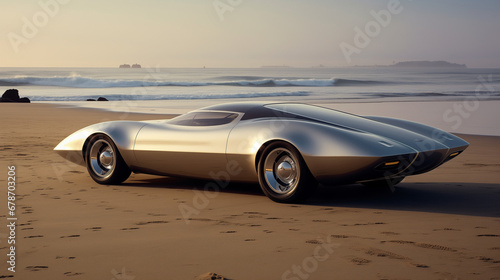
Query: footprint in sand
pixel 198 219
pixel 341 236
pixel 61 257
pixel 156 215
pixel 320 221
pixel 72 273
pixel 314 241
pixel 94 228
pixel 487 259
pixel 384 254
pixel 422 245
pixel 131 228
pixel 254 213
pixel 211 276
pixel 364 224
pixel 36 267
pixel 419 265
pixel 33 236
pixel 446 229
pixel 70 236
pixel 360 261
pixel 389 233
pixel 151 222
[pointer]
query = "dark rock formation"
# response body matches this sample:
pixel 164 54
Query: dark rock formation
pixel 98 99
pixel 12 95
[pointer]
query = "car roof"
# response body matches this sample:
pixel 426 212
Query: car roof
pixel 239 107
pixel 251 110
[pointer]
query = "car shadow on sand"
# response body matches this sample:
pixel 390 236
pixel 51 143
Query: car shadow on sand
pixel 450 198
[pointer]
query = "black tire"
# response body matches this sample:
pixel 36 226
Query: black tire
pixel 104 162
pixel 387 184
pixel 283 174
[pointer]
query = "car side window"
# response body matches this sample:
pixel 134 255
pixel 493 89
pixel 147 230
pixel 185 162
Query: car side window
pixel 204 119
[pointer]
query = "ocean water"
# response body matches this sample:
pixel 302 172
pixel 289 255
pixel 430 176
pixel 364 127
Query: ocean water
pixel 355 84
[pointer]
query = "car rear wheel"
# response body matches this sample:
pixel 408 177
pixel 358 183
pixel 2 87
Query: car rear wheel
pixel 283 174
pixel 104 162
pixel 388 184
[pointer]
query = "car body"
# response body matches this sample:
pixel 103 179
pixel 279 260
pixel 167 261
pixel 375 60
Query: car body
pixel 287 147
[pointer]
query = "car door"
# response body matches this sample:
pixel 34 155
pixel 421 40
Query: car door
pixel 193 145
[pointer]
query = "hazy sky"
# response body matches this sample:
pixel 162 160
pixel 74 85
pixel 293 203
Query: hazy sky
pixel 247 33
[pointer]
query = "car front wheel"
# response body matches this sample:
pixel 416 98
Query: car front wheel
pixel 283 174
pixel 104 162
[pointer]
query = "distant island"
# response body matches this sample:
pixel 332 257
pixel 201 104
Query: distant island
pixel 420 64
pixel 426 63
pixel 128 66
pixel 275 66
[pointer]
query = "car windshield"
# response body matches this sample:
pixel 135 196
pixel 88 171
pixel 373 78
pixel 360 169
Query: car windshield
pixel 313 112
pixel 204 119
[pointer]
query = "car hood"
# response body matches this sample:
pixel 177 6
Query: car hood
pixel 419 137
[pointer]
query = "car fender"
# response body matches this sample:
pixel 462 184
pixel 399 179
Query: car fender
pixel 312 139
pixel 122 133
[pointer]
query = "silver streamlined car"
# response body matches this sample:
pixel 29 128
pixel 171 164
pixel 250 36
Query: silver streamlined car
pixel 287 147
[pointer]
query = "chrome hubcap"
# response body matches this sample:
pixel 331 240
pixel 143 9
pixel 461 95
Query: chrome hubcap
pixel 106 158
pixel 285 171
pixel 281 170
pixel 102 158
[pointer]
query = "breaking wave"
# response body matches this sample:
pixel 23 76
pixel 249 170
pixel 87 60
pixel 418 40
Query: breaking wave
pixel 245 81
pixel 116 97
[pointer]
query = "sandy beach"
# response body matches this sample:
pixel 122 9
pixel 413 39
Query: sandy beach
pixel 444 224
